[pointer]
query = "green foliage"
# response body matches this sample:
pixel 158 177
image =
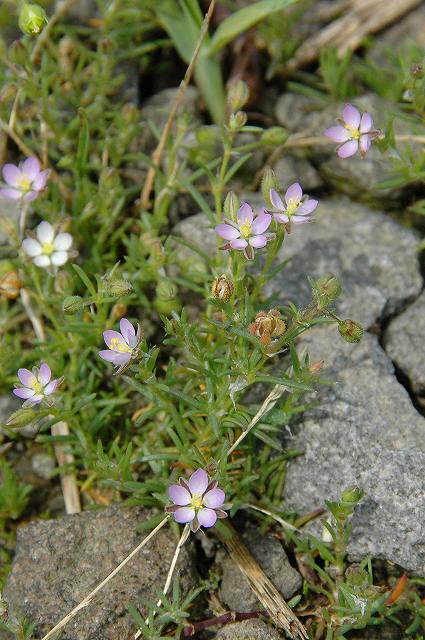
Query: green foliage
pixel 13 494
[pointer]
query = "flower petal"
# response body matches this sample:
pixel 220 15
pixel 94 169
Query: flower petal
pixel 185 514
pixel 337 134
pixel 258 241
pixel 35 399
pixel 44 373
pixel 11 194
pixel 276 200
pixel 348 149
pixel 307 207
pixel 42 261
pixel 301 219
pixel 24 393
pixel 198 482
pixel 179 495
pixel 128 332
pixel 245 214
pixel 30 196
pixel 214 498
pixel 110 335
pixel 239 243
pixel 51 387
pixel 294 193
pixel 40 181
pixel 31 247
pixel 59 258
pixel 31 168
pixel 351 116
pixel 364 143
pixel 26 377
pixel 207 517
pixel 281 217
pixel 366 123
pixel 227 232
pixel 261 223
pixel 116 358
pixel 11 174
pixel 45 232
pixel 63 242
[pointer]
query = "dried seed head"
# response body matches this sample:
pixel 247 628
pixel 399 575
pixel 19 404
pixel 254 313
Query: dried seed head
pixel 222 288
pixel 267 325
pixel 237 95
pixel 350 330
pixel 10 284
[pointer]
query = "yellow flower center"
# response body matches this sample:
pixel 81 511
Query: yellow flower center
pixel 291 206
pixel 25 183
pixel 245 229
pixel 196 501
pixel 47 248
pixel 353 131
pixel 35 384
pixel 119 345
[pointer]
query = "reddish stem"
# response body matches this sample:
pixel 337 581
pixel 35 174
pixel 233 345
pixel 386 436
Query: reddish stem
pixel 226 618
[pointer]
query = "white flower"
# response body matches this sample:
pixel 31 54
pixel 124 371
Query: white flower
pixel 47 249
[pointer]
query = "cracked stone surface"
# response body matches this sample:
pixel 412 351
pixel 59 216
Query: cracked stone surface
pixel 365 432
pixel 249 630
pixel 270 554
pixel 404 342
pixel 58 562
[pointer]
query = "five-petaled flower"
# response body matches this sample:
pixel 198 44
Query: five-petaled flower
pixel 354 133
pixel 45 248
pixel 197 501
pixel 36 384
pixel 25 181
pixel 122 347
pixel 248 232
pixel 297 207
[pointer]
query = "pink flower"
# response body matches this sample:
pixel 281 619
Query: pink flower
pixel 248 232
pixel 197 501
pixel 36 384
pixel 297 207
pixel 122 347
pixel 355 132
pixel 25 181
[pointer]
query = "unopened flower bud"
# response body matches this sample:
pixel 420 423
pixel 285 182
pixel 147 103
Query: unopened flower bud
pixel 32 19
pixel 231 205
pixel 352 495
pixel 118 288
pixel 269 181
pixel 350 330
pixel 21 418
pixel 222 288
pixel 327 290
pixel 274 136
pixel 267 325
pixel 72 304
pixel 237 120
pixel 10 284
pixel 166 290
pixel 64 283
pixel 237 95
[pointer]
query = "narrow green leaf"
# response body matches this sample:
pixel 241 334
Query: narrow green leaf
pixel 83 141
pixel 243 20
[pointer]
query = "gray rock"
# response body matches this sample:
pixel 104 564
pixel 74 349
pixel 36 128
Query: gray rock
pixel 43 465
pixel 249 630
pixel 365 432
pixel 404 342
pixel 385 631
pixel 269 553
pixel 58 562
pixel 294 110
pixel 293 169
pixel 375 258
